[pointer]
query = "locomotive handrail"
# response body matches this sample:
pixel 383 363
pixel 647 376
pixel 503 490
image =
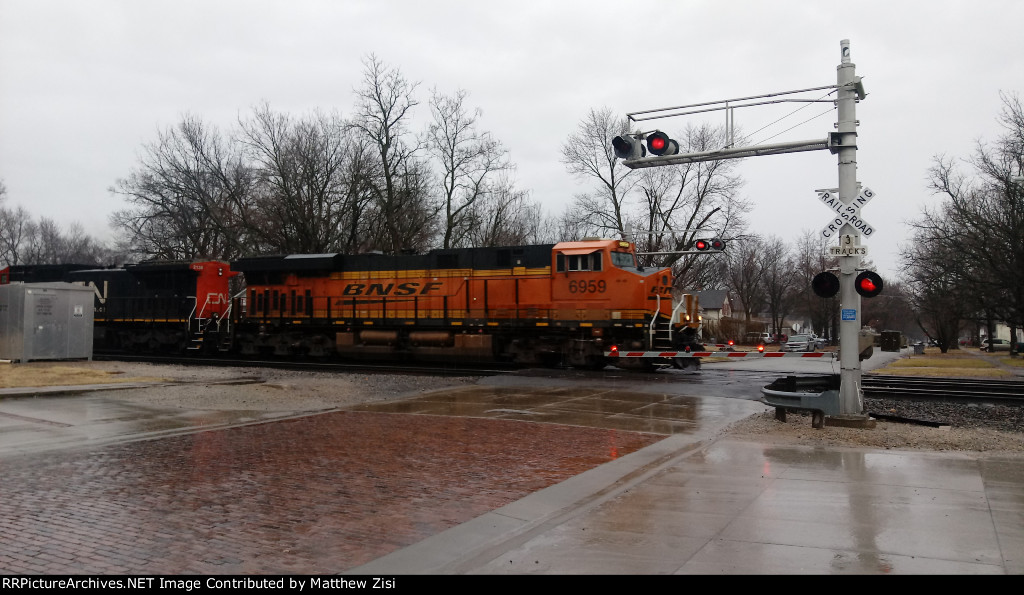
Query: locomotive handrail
pixel 672 322
pixel 654 321
pixel 191 315
pixel 227 312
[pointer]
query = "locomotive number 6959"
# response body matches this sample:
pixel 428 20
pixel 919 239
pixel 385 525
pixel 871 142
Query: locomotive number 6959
pixel 590 286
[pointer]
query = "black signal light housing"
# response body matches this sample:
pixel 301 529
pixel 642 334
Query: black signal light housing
pixel 628 147
pixel 825 284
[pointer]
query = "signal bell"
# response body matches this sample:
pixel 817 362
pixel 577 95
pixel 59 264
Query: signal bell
pixel 825 284
pixel 627 147
pixel 868 284
pixel 659 143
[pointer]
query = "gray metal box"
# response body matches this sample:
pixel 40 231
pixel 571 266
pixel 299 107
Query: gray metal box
pixel 45 321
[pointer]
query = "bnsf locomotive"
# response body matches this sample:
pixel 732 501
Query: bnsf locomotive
pixel 533 305
pixel 543 304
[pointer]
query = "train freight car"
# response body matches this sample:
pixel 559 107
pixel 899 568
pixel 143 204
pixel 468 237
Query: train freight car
pixel 39 273
pixel 159 306
pixel 533 305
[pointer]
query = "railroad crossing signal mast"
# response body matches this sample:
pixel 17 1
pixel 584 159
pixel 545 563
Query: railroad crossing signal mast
pixel 851 398
pixel 847 226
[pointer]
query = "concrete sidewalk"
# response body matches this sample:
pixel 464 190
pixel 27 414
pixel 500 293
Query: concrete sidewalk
pixel 699 505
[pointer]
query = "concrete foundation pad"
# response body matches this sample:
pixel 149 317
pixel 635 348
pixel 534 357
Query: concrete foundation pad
pixel 850 421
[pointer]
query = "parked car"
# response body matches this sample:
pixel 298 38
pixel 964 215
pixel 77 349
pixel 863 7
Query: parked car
pixel 759 339
pixel 800 343
pixel 997 344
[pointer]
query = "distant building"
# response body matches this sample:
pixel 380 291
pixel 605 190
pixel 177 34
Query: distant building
pixel 714 304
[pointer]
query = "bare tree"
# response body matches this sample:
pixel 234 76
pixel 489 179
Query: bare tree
pixel 809 259
pixel 974 234
pixel 402 202
pixel 470 162
pixel 24 241
pixel 781 294
pixel 45 242
pixel 313 176
pixel 15 223
pixel 938 287
pixel 588 154
pixel 505 217
pixel 746 275
pixel 566 226
pixel 189 196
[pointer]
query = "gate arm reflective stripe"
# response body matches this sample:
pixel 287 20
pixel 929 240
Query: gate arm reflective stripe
pixel 714 354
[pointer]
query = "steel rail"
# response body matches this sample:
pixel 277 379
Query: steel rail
pixel 947 389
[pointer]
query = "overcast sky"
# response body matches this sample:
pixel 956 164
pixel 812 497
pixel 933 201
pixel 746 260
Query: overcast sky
pixel 84 84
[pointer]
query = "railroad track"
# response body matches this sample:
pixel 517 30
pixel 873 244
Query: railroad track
pixel 446 369
pixel 947 389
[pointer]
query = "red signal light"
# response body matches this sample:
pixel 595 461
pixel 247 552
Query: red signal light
pixel 760 348
pixel 659 143
pixel 701 245
pixel 868 284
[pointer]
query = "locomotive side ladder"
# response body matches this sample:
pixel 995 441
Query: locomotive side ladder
pixel 199 327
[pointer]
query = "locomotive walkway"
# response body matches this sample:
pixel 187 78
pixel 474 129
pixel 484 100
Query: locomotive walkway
pixel 391 492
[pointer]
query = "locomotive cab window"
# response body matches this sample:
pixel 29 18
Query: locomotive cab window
pixel 578 262
pixel 624 260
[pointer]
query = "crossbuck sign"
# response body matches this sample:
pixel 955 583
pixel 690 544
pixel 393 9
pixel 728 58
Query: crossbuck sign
pixel 847 213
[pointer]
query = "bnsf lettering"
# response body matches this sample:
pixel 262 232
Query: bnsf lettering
pixel 664 290
pixel 411 288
